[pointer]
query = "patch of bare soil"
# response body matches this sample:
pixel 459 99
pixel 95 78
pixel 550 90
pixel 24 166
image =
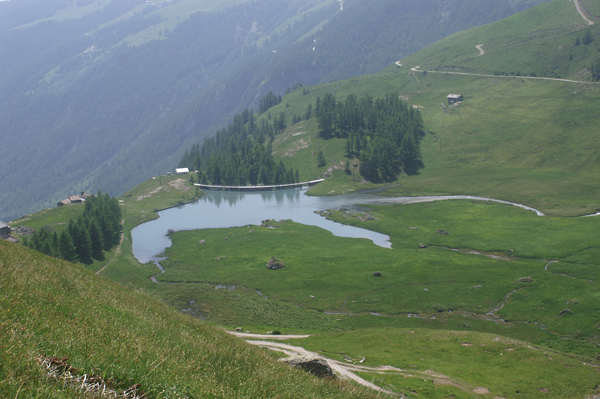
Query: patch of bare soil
pixel 179 184
pixel 481 390
pixel 297 146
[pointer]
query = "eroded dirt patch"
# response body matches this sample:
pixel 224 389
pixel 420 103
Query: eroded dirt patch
pixel 179 184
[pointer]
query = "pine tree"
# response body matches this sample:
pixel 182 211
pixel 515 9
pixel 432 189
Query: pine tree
pixel 66 248
pixel 97 240
pixel 321 159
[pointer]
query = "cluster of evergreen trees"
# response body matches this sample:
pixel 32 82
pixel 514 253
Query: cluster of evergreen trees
pixel 97 230
pixel 383 133
pixel 241 154
pixel 268 101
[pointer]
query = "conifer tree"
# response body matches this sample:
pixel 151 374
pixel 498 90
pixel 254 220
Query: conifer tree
pixel 66 248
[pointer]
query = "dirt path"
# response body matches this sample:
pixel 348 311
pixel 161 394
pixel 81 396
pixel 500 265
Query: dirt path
pixel 179 184
pixel 341 369
pixel 589 22
pixel 266 336
pixel 416 69
pixel 347 370
pixel 117 252
pixel 481 51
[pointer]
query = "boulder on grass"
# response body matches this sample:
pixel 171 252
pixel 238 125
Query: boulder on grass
pixel 310 364
pixel 377 274
pixel 275 263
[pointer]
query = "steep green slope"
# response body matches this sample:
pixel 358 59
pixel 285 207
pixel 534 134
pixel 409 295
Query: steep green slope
pixel 526 140
pixel 52 308
pixel 591 8
pixel 98 95
pixel 541 41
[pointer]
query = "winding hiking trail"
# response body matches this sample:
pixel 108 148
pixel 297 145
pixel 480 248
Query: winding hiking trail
pixel 481 50
pixel 347 370
pixel 589 22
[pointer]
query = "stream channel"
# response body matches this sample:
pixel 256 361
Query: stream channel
pixel 221 209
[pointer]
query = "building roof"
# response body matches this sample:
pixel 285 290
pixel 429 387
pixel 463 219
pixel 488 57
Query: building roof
pixel 2 224
pixel 182 170
pixel 454 95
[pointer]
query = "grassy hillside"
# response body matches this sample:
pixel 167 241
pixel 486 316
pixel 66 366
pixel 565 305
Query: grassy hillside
pixel 463 362
pixel 540 41
pixel 450 291
pixel 520 139
pixel 592 9
pixel 56 309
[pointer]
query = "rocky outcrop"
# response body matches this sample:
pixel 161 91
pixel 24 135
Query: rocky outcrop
pixel 275 263
pixel 23 230
pixel 310 364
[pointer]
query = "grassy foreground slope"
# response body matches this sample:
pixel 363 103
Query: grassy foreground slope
pixel 520 139
pixel 54 308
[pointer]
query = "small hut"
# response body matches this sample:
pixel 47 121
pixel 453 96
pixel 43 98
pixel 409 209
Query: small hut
pixel 454 98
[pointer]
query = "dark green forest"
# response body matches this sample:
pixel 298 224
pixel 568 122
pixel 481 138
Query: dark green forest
pixel 242 154
pixel 85 238
pixel 384 133
pixel 83 110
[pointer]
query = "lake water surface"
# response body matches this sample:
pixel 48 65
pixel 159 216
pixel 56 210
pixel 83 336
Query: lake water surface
pixel 220 209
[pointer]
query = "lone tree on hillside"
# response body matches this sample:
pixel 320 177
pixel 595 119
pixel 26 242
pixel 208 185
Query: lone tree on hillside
pixel 587 38
pixel 321 159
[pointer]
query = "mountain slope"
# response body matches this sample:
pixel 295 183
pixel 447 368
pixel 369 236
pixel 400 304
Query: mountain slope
pixel 540 42
pixel 99 95
pixel 525 140
pixel 57 309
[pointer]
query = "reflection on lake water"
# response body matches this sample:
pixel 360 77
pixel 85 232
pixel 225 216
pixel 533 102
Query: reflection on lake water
pixel 219 209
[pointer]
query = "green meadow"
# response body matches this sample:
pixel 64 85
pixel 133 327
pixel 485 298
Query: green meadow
pixel 471 270
pixel 474 299
pixel 502 282
pixel 51 308
pixel 437 364
pixel 526 141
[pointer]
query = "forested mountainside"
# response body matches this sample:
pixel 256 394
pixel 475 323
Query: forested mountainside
pixel 102 94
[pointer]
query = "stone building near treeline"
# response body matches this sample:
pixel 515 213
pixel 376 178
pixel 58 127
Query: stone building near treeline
pixel 74 199
pixel 4 230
